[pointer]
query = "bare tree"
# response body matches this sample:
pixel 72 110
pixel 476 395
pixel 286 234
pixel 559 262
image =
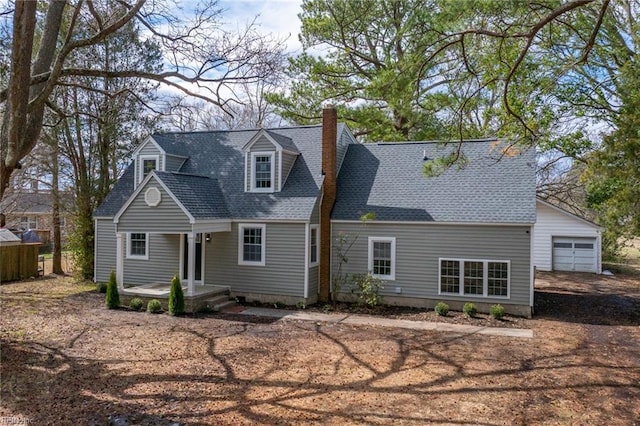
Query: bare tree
pixel 200 58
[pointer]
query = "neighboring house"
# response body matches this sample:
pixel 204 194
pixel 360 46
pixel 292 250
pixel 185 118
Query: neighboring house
pixel 259 211
pixel 565 242
pixel 34 210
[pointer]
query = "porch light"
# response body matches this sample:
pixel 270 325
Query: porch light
pixel 207 238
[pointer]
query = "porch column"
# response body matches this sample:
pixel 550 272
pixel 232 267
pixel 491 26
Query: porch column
pixel 120 261
pixel 191 241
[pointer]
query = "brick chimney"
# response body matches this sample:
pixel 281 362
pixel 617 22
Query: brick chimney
pixel 329 170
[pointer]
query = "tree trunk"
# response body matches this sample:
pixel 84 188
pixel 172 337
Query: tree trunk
pixel 55 194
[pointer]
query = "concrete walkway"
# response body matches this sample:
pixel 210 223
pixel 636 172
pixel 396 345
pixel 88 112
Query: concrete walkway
pixel 385 322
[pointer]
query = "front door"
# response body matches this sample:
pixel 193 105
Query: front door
pixel 185 258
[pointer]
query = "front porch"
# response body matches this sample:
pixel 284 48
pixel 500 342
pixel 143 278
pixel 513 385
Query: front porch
pixel 204 297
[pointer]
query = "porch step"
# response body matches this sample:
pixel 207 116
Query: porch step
pixel 218 302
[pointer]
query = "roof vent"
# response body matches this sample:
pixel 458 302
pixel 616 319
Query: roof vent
pixel 424 155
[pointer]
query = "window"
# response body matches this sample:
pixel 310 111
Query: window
pixel 148 163
pixel 137 246
pixel 251 245
pixel 263 171
pixel 485 278
pixel 29 222
pixel 314 246
pixel 382 257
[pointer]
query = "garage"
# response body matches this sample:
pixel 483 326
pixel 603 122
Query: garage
pixel 574 254
pixel 563 241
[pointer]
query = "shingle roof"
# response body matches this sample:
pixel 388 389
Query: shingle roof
pixel 387 179
pixel 200 195
pixel 218 155
pixel 284 141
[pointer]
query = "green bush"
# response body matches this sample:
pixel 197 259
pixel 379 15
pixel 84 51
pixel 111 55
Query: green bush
pixel 101 287
pixel 176 297
pixel 469 309
pixel 136 304
pixel 442 309
pixel 154 306
pixel 112 299
pixel 496 311
pixel 369 289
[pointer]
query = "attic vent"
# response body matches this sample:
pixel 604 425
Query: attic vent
pixel 152 196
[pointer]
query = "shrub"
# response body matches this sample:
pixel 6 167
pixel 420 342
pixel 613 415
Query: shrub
pixel 101 287
pixel 154 306
pixel 497 311
pixel 176 297
pixel 442 309
pixel 469 309
pixel 113 297
pixel 369 289
pixel 136 304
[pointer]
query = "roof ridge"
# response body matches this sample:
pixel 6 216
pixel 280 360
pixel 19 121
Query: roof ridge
pixel 249 129
pixel 433 142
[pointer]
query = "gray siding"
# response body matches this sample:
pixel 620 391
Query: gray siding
pixel 418 248
pixel 287 163
pixel 105 249
pixel 166 217
pixel 313 281
pixel 174 163
pixel 149 149
pixel 162 265
pixel 262 144
pixel 283 273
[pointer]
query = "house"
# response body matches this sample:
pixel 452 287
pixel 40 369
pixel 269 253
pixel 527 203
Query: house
pixel 259 212
pixel 565 242
pixel 33 209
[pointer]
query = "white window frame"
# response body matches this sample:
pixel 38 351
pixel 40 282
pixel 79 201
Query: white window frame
pixel 271 155
pixel 485 278
pixel 141 160
pixel 315 228
pixel 263 241
pixel 392 240
pixel 31 219
pixel 146 246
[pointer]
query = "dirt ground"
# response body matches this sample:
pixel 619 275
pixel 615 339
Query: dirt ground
pixel 66 360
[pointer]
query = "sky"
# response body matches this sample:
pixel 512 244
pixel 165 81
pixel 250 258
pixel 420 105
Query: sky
pixel 279 17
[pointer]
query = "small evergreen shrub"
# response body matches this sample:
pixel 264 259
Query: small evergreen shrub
pixel 369 289
pixel 154 306
pixel 469 309
pixel 176 297
pixel 136 304
pixel 101 287
pixel 442 309
pixel 112 299
pixel 497 311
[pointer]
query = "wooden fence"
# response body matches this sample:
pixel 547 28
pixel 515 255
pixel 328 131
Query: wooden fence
pixel 18 261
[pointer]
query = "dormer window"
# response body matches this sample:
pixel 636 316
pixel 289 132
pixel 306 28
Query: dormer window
pixel 263 171
pixel 148 163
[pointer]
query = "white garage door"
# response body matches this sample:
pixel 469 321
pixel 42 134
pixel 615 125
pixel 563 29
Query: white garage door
pixel 574 254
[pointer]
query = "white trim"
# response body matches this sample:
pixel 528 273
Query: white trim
pixel 146 247
pixel 140 165
pixel 532 267
pixel 408 222
pixel 136 151
pixel 271 155
pixel 247 172
pixel 263 241
pixel 391 240
pixel 307 258
pixel 119 262
pixel 279 170
pixel 276 144
pixel 308 244
pixel 485 276
pixel 152 196
pixel 566 213
pixel 133 196
pixel 181 257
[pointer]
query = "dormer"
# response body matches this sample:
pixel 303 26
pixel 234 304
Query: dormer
pixel 268 160
pixel 149 156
